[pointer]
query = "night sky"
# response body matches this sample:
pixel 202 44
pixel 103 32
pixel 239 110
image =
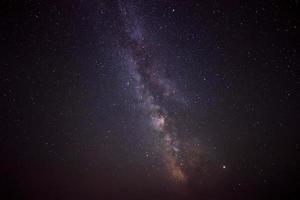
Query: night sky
pixel 149 99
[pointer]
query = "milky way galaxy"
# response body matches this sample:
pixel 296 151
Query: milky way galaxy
pixel 149 100
pixel 152 88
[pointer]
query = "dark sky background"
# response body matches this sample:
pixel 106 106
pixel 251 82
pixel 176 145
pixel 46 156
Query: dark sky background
pixel 71 124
